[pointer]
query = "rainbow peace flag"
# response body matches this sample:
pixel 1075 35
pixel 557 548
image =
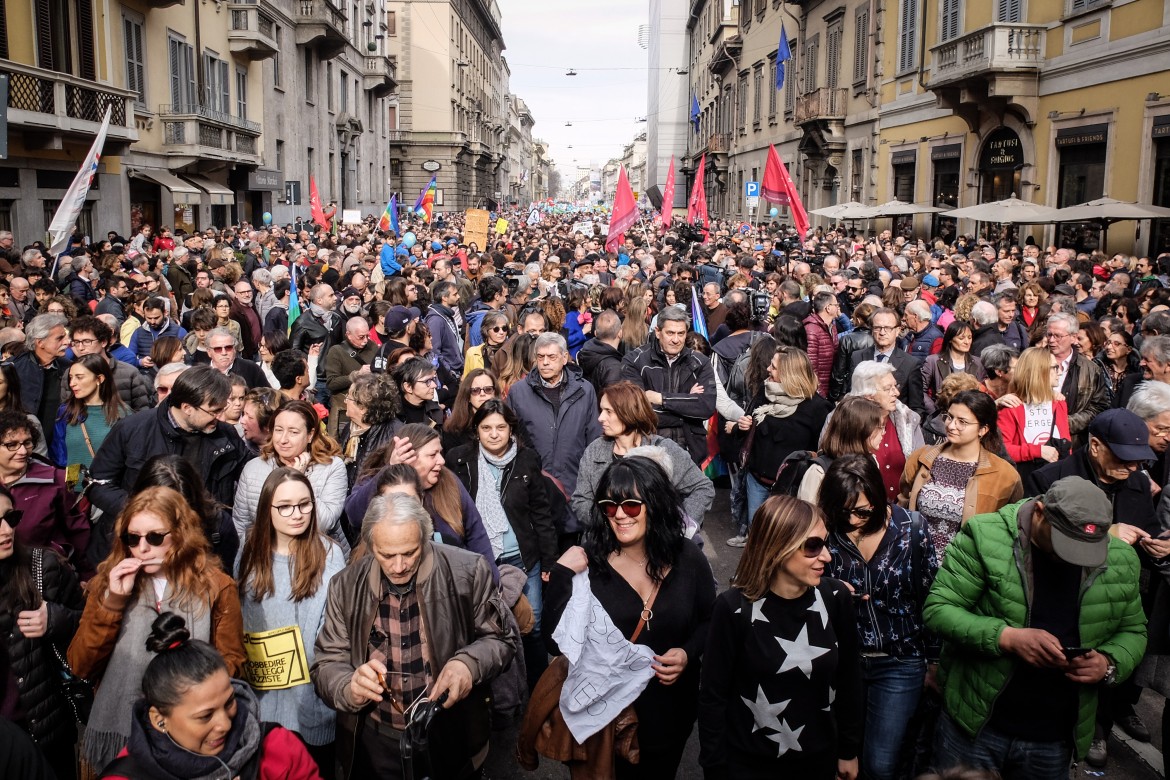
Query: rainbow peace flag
pixel 425 205
pixel 389 220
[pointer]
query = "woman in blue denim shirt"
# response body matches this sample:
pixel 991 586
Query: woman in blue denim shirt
pixel 886 556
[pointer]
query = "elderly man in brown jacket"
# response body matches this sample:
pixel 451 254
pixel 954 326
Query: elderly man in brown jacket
pixel 410 619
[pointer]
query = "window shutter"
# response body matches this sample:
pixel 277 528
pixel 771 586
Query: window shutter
pixel 860 49
pixel 832 57
pixel 908 28
pixel 88 70
pixel 225 104
pixel 176 77
pixel 44 36
pixel 1008 11
pixel 950 20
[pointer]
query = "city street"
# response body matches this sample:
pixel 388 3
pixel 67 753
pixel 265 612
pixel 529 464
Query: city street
pixel 1128 759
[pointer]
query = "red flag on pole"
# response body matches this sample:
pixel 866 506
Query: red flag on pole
pixel 315 210
pixel 778 188
pixel 668 197
pixel 697 205
pixel 623 214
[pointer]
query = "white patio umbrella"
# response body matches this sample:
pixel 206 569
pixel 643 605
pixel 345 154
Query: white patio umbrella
pixel 839 210
pixel 898 208
pixel 1008 211
pixel 1106 211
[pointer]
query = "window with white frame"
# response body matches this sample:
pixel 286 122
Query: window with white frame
pixel 216 91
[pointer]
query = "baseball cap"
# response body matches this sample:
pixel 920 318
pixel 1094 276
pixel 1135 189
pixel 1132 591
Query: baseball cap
pixel 930 280
pixel 399 316
pixel 1079 514
pixel 1124 433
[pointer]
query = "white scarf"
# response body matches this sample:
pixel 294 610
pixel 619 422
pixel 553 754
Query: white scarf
pixel 487 496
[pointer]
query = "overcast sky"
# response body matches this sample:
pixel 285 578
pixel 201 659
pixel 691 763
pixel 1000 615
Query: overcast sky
pixel 598 39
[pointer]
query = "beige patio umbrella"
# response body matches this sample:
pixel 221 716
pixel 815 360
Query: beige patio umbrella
pixel 1106 211
pixel 839 210
pixel 898 208
pixel 1008 211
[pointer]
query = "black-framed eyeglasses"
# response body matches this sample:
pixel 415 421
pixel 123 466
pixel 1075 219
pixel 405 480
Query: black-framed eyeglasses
pixel 13 446
pixel 153 538
pixel 286 510
pixel 630 507
pixel 813 546
pixel 12 517
pixel 84 342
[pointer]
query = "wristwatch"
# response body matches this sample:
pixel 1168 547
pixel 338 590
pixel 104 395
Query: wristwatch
pixel 1110 673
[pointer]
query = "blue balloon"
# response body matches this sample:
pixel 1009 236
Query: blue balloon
pixel 409 240
pixel 774 211
pixel 267 217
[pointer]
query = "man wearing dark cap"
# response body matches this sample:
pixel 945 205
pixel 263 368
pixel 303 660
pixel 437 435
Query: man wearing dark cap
pixel 1119 443
pixel 1037 606
pixel 400 322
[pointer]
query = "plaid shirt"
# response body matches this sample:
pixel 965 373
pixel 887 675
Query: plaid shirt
pixel 397 639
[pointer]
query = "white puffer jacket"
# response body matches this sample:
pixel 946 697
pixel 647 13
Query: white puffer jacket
pixel 330 486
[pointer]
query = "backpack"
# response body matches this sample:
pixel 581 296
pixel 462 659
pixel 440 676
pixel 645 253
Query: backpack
pixel 736 373
pixel 791 473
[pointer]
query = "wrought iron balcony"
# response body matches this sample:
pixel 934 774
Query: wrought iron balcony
pixel 379 74
pixel 823 103
pixel 202 132
pixel 251 30
pixel 321 24
pixel 719 143
pixel 49 105
pixel 997 48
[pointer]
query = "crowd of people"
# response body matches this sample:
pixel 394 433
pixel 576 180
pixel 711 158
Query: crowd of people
pixel 298 503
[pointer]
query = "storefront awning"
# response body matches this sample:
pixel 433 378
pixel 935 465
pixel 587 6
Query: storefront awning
pixel 219 195
pixel 183 192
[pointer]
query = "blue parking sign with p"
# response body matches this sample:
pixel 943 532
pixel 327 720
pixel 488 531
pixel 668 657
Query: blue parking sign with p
pixel 751 189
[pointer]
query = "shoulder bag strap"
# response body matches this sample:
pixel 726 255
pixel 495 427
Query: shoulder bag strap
pixel 647 613
pixel 39 571
pixel 88 443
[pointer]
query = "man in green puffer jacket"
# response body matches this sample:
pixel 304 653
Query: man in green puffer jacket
pixel 1036 605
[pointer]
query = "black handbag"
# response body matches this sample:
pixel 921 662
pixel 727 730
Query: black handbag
pixel 416 740
pixel 78 692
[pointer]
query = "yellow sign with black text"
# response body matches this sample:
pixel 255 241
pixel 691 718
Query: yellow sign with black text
pixel 276 659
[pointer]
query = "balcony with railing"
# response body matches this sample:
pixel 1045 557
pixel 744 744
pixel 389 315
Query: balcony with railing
pixel 251 31
pixel 48 105
pixel 426 138
pixel 997 48
pixel 322 25
pixel 379 74
pixel 199 131
pixel 822 104
pixel 719 143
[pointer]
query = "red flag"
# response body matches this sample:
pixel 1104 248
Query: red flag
pixel 623 214
pixel 668 197
pixel 778 188
pixel 697 205
pixel 315 210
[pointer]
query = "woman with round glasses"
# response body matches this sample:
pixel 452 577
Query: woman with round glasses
pixel 493 329
pixel 886 557
pixel 477 388
pixel 781 689
pixel 30 618
pixel 285 571
pixel 160 562
pixel 950 483
pixel 642 570
pixel 298 442
pixel 52 516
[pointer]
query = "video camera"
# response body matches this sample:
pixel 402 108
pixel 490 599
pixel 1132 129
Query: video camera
pixel 761 302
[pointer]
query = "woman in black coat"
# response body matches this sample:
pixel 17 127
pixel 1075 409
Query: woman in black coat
pixel 30 686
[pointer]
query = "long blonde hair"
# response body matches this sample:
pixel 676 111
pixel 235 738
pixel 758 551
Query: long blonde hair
pixel 1032 378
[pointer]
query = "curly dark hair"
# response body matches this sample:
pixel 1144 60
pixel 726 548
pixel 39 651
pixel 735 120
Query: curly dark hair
pixel 11 420
pixel 644 480
pixel 378 394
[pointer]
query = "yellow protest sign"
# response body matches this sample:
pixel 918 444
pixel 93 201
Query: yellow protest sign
pixel 276 659
pixel 475 228
pixel 501 226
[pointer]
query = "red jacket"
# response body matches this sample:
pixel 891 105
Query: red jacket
pixel 1011 427
pixel 822 350
pixel 283 757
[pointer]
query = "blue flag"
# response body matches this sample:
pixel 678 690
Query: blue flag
pixel 698 321
pixel 695 112
pixel 783 54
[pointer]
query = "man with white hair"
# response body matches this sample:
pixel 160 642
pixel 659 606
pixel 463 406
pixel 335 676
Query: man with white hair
pixel 921 332
pixel 1155 352
pixel 1080 379
pixel 440 630
pixel 42 369
pixel 985 319
pixel 262 280
pixel 223 353
pixel 1151 402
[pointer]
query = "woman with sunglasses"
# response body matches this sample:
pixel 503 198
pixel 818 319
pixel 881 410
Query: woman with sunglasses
pixel 950 483
pixel 628 421
pixel 31 618
pixel 297 441
pixel 418 380
pixel 641 566
pixel 477 388
pixel 886 557
pixel 781 688
pixel 192 720
pixel 52 515
pixel 160 562
pixel 285 570
pixel 493 329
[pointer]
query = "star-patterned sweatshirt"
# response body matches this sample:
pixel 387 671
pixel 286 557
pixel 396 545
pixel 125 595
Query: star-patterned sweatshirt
pixel 781 679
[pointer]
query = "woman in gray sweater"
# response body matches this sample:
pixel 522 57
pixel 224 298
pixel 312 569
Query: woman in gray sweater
pixel 628 421
pixel 285 570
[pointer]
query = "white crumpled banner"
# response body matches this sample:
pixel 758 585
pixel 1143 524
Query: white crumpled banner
pixel 606 670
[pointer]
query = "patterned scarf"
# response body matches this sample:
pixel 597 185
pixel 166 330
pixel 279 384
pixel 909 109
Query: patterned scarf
pixel 488 494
